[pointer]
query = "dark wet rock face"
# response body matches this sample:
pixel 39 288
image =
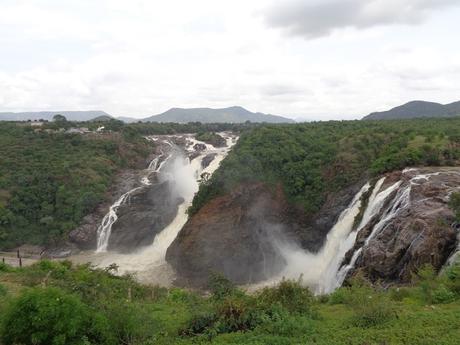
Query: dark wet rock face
pixel 85 235
pixel 420 234
pixel 235 234
pixel 199 147
pixel 207 160
pixel 147 211
pixel 231 235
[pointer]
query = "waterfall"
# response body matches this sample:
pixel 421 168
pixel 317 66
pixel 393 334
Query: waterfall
pixel 375 204
pixel 319 270
pixel 105 229
pixel 183 174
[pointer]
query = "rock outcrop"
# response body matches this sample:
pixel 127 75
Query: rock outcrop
pixel 234 235
pixel 419 233
pixel 147 211
pixel 85 235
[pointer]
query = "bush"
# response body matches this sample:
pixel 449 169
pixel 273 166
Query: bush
pixel 339 296
pixel 199 323
pixel 399 294
pixel 52 317
pixel 3 291
pixel 5 268
pixel 443 295
pixel 131 324
pixel 290 294
pixel 370 308
pixel 220 286
pixel 453 278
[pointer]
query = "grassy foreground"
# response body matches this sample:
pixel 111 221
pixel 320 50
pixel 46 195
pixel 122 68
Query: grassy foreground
pixel 57 303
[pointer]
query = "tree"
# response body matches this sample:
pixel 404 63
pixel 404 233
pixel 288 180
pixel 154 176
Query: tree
pixel 59 118
pixel 50 316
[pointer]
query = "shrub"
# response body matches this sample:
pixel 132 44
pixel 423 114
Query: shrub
pixel 5 268
pixel 232 314
pixel 199 323
pixel 290 294
pixel 370 308
pixel 237 314
pixel 453 278
pixel 443 295
pixel 220 286
pixel 339 296
pixel 426 281
pixel 52 317
pixel 131 324
pixel 399 294
pixel 3 291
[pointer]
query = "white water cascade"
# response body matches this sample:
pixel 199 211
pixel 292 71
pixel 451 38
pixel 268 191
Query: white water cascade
pixel 105 229
pixel 321 271
pixel 375 204
pixel 318 270
pixel 148 264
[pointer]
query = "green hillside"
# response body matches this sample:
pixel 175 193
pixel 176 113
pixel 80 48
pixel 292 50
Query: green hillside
pixel 50 181
pixel 314 159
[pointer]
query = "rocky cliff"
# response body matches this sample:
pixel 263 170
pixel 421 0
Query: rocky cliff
pixel 236 234
pixel 414 228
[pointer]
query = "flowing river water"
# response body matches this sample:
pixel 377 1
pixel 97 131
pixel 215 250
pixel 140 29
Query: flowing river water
pixel 183 168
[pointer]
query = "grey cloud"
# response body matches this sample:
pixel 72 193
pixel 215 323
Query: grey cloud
pixel 281 90
pixel 317 18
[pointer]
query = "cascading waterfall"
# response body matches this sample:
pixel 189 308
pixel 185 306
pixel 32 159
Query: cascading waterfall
pixel 321 271
pixel 149 263
pixel 375 204
pixel 105 229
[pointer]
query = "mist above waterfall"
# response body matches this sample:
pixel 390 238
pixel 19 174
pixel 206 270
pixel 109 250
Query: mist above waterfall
pixel 182 176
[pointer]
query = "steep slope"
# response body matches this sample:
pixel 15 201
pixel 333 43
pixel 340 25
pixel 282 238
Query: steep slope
pixel 207 115
pixel 48 115
pixel 417 109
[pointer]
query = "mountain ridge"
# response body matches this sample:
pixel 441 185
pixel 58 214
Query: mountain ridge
pixel 417 109
pixel 234 114
pixel 48 115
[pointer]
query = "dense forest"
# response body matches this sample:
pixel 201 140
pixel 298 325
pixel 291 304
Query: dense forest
pixel 49 181
pixel 61 304
pixel 313 159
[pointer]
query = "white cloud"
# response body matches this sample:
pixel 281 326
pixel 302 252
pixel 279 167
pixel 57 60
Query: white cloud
pixel 142 57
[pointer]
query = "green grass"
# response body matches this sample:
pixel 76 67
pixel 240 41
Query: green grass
pixel 287 314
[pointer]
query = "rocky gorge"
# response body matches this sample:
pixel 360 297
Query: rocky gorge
pixel 252 235
pixel 385 227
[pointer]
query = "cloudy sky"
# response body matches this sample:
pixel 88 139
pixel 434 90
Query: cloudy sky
pixel 306 59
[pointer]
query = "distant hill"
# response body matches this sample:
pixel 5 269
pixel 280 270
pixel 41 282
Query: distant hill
pixel 208 115
pixel 48 115
pixel 102 118
pixel 417 109
pixel 128 119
